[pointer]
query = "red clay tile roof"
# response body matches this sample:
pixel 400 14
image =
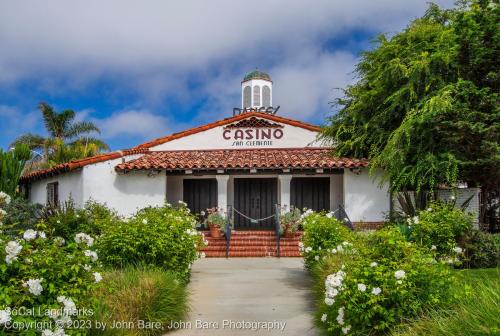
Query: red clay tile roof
pixel 275 158
pixel 72 165
pixel 227 121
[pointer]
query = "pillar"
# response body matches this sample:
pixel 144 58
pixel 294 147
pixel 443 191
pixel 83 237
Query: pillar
pixel 285 191
pixel 222 192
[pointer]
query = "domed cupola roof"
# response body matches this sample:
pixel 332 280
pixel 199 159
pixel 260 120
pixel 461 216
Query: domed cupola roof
pixel 256 74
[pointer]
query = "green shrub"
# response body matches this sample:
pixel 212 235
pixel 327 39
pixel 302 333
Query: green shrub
pixel 45 275
pixel 385 280
pixel 473 312
pixel 157 236
pixel 440 227
pixel 481 249
pixel 150 295
pixel 20 215
pixel 68 220
pixel 323 235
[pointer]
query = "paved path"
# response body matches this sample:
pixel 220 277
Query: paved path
pixel 228 295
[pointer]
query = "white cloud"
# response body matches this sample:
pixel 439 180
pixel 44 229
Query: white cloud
pixel 133 123
pixel 187 50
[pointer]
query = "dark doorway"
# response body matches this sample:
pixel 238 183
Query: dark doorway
pixel 255 198
pixel 200 194
pixel 310 192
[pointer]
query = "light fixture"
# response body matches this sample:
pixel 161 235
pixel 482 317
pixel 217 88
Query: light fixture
pixel 189 171
pixel 220 171
pixel 253 170
pixel 319 171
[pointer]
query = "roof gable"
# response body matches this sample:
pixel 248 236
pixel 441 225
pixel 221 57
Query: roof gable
pixel 227 121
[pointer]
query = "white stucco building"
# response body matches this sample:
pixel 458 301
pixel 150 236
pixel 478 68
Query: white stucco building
pixel 249 161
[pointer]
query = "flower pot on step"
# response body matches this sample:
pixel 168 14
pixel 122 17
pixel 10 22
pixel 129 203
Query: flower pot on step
pixel 215 231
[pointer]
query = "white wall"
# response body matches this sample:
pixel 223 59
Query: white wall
pixel 123 192
pixel 213 139
pixel 70 186
pixel 364 199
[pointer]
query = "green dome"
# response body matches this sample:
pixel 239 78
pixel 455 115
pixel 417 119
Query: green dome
pixel 256 74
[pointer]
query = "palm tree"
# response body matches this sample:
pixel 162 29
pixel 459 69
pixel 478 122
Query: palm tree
pixel 68 140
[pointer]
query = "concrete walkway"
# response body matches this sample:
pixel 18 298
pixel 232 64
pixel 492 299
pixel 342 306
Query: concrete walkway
pixel 246 296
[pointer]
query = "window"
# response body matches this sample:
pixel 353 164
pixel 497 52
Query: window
pixel 256 95
pixel 266 96
pixel 247 96
pixel 53 194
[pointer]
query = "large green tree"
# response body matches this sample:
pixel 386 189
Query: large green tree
pixel 67 139
pixel 425 108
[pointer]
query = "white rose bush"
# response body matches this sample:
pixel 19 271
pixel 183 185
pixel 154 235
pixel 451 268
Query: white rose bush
pixel 323 235
pixel 36 272
pixel 368 283
pixel 373 282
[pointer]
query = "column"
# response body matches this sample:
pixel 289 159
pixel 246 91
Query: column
pixel 285 191
pixel 222 192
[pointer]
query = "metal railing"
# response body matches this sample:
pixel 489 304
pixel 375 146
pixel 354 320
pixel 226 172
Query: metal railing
pixel 277 229
pixel 229 228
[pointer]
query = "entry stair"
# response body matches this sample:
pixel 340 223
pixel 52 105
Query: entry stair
pixel 252 244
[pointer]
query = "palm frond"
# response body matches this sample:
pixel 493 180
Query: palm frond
pixel 80 128
pixel 33 141
pixel 49 118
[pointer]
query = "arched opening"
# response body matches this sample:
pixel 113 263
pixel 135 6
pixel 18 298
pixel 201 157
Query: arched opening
pixel 256 95
pixel 247 96
pixel 266 96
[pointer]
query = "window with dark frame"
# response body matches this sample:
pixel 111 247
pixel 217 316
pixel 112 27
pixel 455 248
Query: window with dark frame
pixel 53 194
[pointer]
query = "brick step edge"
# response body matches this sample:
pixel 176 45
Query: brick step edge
pixel 239 254
pixel 250 248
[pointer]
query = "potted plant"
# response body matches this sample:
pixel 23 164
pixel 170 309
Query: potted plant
pixel 289 222
pixel 216 222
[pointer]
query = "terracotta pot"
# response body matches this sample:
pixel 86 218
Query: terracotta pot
pixel 215 231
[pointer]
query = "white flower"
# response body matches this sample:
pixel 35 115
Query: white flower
pixel 340 316
pixel 399 274
pixel 361 287
pixel 57 332
pixel 69 306
pixel 345 330
pixel 374 264
pixel 429 209
pixel 144 221
pixel 308 249
pixel 452 197
pixel 331 292
pixel 399 282
pixel 97 277
pixel 330 214
pixel 346 243
pixel 41 234
pixel 458 249
pixel 415 219
pixel 433 247
pixel 91 254
pixel 87 267
pixel 58 221
pixel 202 213
pixel 5 316
pixel 376 291
pixel 12 248
pixel 84 238
pixel 6 198
pixel 316 257
pixel 323 318
pixel 334 250
pixel 35 286
pixel 329 301
pixel 29 234
pixel 340 249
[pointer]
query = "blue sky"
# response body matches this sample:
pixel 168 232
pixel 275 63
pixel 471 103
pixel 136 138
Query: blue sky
pixel 143 69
